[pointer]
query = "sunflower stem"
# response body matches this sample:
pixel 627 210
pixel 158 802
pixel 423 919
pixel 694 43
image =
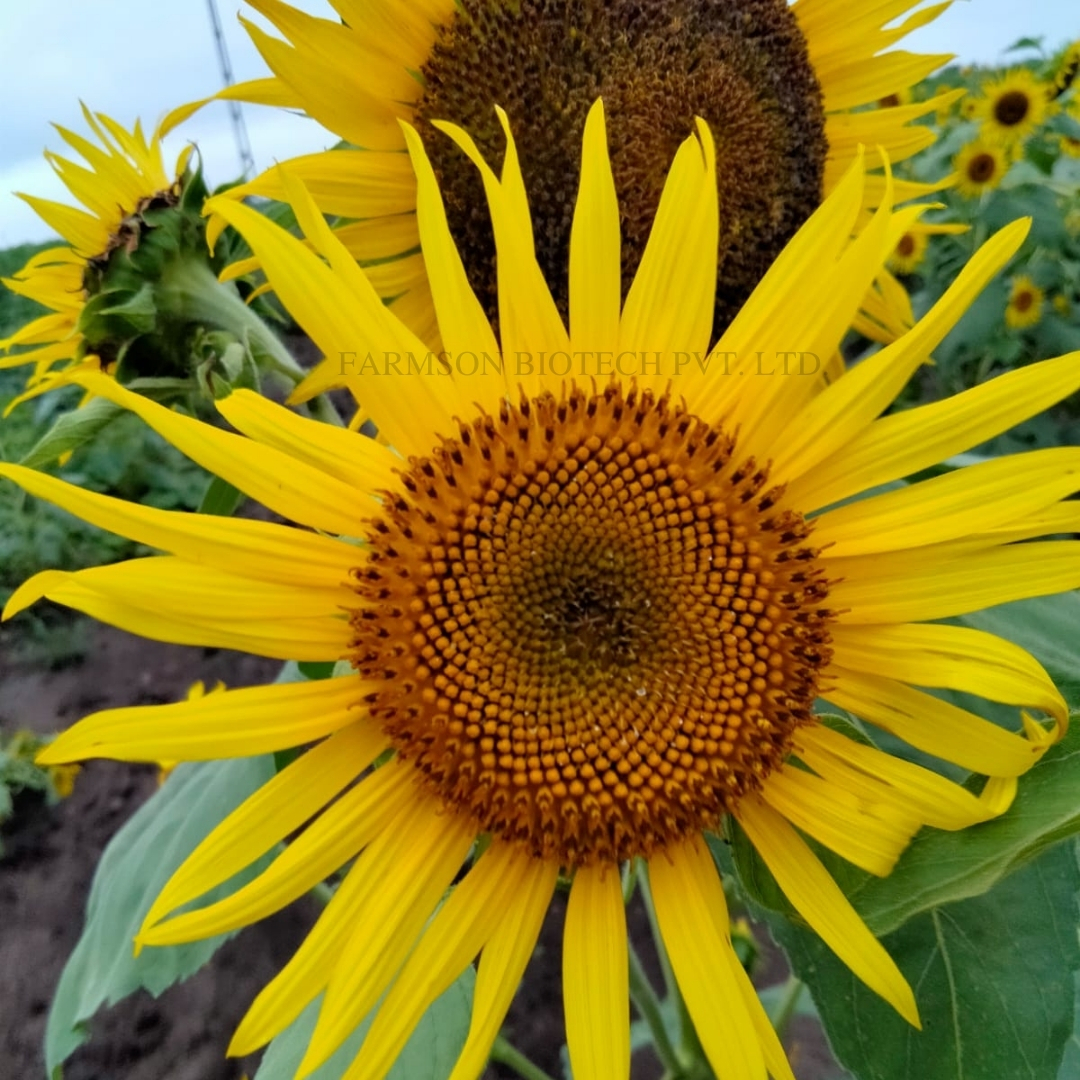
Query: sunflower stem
pixel 648 1004
pixel 512 1058
pixel 323 893
pixel 787 1005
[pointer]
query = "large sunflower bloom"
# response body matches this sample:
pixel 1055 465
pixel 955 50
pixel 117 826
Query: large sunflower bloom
pixel 784 89
pixel 589 618
pixel 123 175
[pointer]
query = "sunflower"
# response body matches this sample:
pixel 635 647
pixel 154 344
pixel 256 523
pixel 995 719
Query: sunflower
pixel 124 176
pixel 1025 303
pixel 910 249
pixel 782 86
pixel 588 614
pixel 1069 145
pixel 980 167
pixel 1013 107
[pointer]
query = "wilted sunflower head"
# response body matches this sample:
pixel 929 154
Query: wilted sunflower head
pixel 781 86
pixel 121 187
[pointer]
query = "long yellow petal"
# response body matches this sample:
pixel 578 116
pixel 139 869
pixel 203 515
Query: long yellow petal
pixel 935 726
pixel 596 987
pixel 282 483
pixel 952 658
pixel 111 595
pixel 947 507
pixel 388 927
pixel 233 723
pixel 595 245
pixel 274 812
pixel 871 835
pixel 837 415
pixel 904 443
pixel 460 929
pixel 935 583
pixel 322 848
pixel 502 964
pixel 871 774
pixel 463 324
pixel 692 914
pixel 269 552
pixel 807 884
pixel 347 456
pixel 669 308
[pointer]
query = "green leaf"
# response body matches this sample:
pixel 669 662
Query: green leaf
pixel 70 431
pixel 135 866
pixel 220 498
pixel 992 976
pixel 1025 43
pixel 429 1054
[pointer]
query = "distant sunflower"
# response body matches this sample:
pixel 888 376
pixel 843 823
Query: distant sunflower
pixel 911 248
pixel 589 619
pixel 1025 303
pixel 1013 107
pixel 124 176
pixel 1069 145
pixel 782 86
pixel 980 166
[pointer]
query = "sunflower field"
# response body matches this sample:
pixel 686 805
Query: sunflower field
pixel 576 582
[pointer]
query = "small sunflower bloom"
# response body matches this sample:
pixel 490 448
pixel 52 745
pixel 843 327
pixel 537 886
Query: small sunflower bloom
pixel 786 84
pixel 980 167
pixel 1025 304
pixel 591 614
pixel 911 248
pixel 1069 145
pixel 1013 107
pixel 1062 305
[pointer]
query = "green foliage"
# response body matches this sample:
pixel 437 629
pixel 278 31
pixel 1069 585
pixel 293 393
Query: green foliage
pixel 992 975
pixel 430 1053
pixel 138 862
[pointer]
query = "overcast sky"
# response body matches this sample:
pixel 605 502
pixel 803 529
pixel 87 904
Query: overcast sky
pixel 129 58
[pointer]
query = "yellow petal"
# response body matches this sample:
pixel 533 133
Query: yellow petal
pixel 952 658
pixel 596 988
pixel 280 482
pixel 871 835
pixel 387 928
pixel 502 964
pixel 460 929
pixel 933 725
pixel 906 442
pixel 595 246
pixel 274 553
pixel 233 723
pixel 807 884
pixel 274 812
pixel 692 914
pixel 323 847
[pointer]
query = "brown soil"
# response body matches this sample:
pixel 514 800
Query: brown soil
pixel 48 863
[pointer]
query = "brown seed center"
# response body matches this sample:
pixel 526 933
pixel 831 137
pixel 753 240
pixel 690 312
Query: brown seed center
pixel 1012 108
pixel 981 168
pixel 593 627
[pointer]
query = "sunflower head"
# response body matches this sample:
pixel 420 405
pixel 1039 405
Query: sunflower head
pixel 980 167
pixel 123 188
pixel 1025 303
pixel 782 86
pixel 1013 107
pixel 909 252
pixel 590 616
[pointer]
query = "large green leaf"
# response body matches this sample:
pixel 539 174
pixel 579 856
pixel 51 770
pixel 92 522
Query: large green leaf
pixel 993 977
pixel 139 860
pixel 430 1053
